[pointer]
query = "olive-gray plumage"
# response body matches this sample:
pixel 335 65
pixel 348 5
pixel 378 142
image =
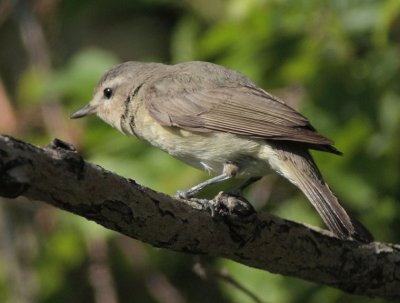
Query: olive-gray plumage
pixel 216 119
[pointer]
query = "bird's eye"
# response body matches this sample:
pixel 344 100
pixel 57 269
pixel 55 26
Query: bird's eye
pixel 107 92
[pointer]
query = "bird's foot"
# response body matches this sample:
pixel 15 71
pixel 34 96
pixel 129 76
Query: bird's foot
pixel 184 194
pixel 223 204
pixel 232 204
pixel 204 203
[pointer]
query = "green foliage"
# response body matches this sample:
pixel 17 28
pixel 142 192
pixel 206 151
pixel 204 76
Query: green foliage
pixel 83 70
pixel 344 57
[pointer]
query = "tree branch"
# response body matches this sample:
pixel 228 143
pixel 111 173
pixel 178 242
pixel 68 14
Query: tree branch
pixel 59 176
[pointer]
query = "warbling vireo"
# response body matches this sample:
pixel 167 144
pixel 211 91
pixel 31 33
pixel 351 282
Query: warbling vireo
pixel 218 120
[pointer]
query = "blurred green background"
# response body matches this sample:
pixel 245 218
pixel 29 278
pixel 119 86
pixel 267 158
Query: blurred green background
pixel 337 62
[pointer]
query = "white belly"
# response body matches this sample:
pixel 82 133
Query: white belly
pixel 208 151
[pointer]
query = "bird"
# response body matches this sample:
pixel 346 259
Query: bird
pixel 218 120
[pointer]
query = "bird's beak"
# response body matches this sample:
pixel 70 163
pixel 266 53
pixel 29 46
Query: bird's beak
pixel 88 109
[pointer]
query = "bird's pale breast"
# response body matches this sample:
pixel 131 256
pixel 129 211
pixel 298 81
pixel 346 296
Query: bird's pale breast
pixel 206 151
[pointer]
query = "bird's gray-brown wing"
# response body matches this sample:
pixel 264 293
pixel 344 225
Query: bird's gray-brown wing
pixel 239 109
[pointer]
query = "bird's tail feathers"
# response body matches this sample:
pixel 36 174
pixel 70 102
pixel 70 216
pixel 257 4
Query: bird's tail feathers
pixel 299 167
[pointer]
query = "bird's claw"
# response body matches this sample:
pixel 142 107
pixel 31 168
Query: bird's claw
pixel 183 194
pixel 204 203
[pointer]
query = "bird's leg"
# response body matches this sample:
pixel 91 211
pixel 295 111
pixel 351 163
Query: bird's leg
pixel 229 171
pixel 189 193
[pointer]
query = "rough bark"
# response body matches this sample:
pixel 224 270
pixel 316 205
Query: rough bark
pixel 58 175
